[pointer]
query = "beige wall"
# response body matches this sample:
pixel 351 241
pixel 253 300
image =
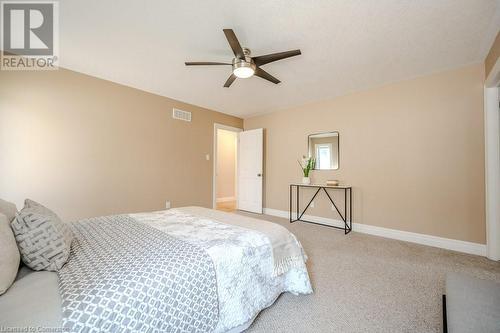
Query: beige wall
pixel 493 55
pixel 414 152
pixel 226 163
pixel 88 147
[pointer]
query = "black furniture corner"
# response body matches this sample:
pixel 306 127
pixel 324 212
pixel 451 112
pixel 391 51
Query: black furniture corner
pixel 346 216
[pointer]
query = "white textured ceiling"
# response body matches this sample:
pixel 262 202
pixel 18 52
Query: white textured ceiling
pixel 347 45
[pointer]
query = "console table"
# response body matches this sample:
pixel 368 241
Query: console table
pixel 346 217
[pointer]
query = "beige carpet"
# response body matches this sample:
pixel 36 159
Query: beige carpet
pixel 366 283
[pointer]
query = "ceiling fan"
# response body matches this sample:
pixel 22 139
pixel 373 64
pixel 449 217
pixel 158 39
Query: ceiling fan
pixel 244 65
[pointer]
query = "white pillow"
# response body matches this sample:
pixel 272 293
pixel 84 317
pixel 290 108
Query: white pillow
pixel 9 255
pixel 8 209
pixel 42 238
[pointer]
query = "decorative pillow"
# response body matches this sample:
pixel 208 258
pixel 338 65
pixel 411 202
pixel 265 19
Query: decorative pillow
pixel 8 209
pixel 31 203
pixel 28 203
pixel 9 255
pixel 42 238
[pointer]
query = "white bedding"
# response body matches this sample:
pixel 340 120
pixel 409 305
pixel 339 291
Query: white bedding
pixel 243 260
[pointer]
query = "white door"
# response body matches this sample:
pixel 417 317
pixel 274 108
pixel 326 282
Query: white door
pixel 250 157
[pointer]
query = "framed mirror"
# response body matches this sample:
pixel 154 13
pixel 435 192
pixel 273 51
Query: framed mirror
pixel 324 148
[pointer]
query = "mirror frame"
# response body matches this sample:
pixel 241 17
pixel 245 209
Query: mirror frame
pixel 338 148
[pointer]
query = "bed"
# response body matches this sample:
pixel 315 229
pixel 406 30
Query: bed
pixel 187 269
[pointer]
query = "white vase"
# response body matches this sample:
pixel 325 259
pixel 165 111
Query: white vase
pixel 306 180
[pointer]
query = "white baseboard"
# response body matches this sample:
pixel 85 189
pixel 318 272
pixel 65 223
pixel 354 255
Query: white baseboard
pixel 225 199
pixel 444 243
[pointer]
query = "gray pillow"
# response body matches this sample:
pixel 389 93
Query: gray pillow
pixel 42 238
pixel 31 203
pixel 28 203
pixel 9 255
pixel 8 209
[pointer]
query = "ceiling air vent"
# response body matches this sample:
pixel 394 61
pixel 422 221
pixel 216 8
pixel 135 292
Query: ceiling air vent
pixel 181 115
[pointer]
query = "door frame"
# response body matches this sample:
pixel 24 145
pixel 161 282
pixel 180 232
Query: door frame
pixel 492 161
pixel 218 126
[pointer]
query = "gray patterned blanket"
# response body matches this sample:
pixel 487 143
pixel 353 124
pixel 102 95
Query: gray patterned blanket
pixel 125 276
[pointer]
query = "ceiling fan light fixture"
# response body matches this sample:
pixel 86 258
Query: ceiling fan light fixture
pixel 243 64
pixel 243 69
pixel 243 72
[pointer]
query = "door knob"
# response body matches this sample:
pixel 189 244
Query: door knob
pixel 259 175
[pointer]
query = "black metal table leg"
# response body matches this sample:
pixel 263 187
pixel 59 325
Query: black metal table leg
pixel 350 207
pixel 346 217
pixel 345 211
pixel 298 203
pixel 310 201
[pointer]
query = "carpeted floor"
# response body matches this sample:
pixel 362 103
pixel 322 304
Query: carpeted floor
pixel 365 283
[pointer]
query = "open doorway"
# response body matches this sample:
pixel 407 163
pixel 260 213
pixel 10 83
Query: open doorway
pixel 225 167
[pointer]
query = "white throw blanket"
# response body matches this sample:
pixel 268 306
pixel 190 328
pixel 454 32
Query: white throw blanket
pixel 243 259
pixel 287 250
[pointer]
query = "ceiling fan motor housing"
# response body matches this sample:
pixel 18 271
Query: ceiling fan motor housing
pixel 244 68
pixel 239 63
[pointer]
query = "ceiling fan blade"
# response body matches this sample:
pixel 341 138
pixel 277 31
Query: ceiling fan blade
pixel 229 81
pixel 266 76
pixel 204 63
pixel 234 43
pixel 265 59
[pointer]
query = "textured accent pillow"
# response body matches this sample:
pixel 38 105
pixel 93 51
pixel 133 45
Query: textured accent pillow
pixel 9 255
pixel 8 209
pixel 28 203
pixel 42 238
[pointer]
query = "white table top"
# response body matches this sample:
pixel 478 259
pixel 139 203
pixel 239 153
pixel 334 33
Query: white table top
pixel 321 185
